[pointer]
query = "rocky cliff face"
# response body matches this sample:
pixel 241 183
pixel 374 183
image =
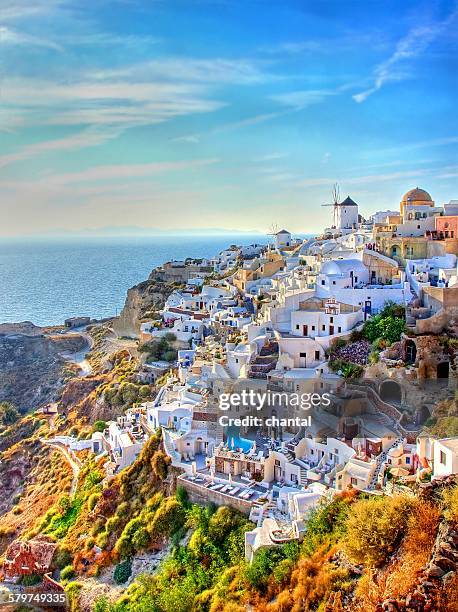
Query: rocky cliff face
pixel 32 366
pixel 142 300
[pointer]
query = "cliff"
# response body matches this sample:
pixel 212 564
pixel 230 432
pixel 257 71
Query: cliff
pixel 141 303
pixel 32 364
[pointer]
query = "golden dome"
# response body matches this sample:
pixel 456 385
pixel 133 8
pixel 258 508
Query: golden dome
pixel 416 195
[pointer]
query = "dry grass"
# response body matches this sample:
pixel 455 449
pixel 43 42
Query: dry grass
pixel 312 581
pixel 46 479
pixel 400 575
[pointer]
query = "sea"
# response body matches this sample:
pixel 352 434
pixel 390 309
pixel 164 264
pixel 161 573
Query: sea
pixel 49 280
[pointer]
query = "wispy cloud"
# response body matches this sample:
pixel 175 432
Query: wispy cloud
pixel 14 37
pixel 305 98
pixel 110 107
pixel 14 10
pixel 187 69
pixel 411 46
pixel 82 140
pixel 126 171
pixel 411 146
pixel 271 157
pixel 348 40
pixel 109 39
pixel 363 180
pixel 234 125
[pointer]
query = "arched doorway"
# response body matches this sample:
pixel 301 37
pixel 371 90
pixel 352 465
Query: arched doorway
pixel 391 392
pixel 422 414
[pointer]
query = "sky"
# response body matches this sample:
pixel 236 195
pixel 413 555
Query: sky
pixel 210 115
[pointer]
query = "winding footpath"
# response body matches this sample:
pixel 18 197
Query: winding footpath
pixel 71 459
pixel 79 358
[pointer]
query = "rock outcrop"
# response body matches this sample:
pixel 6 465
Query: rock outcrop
pixel 31 364
pixel 440 569
pixel 141 302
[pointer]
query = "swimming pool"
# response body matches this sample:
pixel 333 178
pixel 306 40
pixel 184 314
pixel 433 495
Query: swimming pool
pixel 234 440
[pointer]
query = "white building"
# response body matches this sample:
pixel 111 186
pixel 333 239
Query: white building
pixel 282 239
pixel 185 329
pixel 347 280
pixel 357 473
pixel 226 259
pixel 345 215
pixel 122 440
pixel 381 216
pixel 342 274
pixel 440 457
pixel 319 318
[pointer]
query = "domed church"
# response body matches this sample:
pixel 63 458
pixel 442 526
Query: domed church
pixel 414 204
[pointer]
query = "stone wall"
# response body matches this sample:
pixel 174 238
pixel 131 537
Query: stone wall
pixel 202 496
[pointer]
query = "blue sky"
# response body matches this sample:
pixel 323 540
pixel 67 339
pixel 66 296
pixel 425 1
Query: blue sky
pixel 194 114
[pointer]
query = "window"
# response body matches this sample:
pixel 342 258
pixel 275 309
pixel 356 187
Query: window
pixel 331 319
pixel 303 355
pixel 297 326
pixel 333 282
pixel 313 328
pixel 443 458
pixel 339 329
pixel 323 327
pixel 317 355
pixel 323 282
pixel 408 460
pixel 354 481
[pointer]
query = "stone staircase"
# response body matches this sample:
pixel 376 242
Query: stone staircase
pixel 288 454
pixel 303 476
pixel 381 460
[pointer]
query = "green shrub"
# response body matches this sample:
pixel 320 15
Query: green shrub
pixel 122 572
pixel 99 426
pixel 168 518
pixel 62 557
pixel 30 580
pixel 160 463
pixel 374 357
pixel 141 539
pixel 67 572
pixel 182 495
pixel 102 540
pixel 348 369
pixel 124 547
pixel 89 544
pixel 92 501
pixel 8 414
pixel 112 524
pixel 388 325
